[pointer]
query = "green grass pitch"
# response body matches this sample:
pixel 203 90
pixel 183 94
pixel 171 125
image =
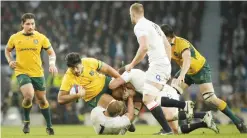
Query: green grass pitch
pixel 79 131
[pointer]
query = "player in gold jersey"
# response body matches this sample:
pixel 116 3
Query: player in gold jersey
pixel 28 44
pixel 196 70
pixel 87 72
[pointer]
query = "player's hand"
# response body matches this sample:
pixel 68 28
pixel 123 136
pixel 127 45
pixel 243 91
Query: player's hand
pixel 53 69
pixel 179 80
pixel 12 64
pixel 81 92
pixel 129 67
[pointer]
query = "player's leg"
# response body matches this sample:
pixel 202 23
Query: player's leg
pixel 204 80
pixel 27 91
pixel 170 98
pixel 149 96
pixel 40 93
pixel 170 112
pixel 207 122
pixel 207 91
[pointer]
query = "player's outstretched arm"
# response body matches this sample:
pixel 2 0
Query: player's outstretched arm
pixel 52 60
pixel 106 69
pixel 65 97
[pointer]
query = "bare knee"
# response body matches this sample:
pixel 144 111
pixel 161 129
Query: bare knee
pixel 27 101
pixel 147 99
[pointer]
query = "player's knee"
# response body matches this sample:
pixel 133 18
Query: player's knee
pixel 43 104
pixel 210 97
pixel 27 101
pixel 147 99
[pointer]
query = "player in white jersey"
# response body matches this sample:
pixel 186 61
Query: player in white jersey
pixel 136 78
pixel 152 41
pixel 113 120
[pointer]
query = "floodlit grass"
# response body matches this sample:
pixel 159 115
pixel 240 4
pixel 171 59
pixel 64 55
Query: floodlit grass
pixel 79 131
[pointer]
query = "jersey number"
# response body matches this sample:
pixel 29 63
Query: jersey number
pixel 156 27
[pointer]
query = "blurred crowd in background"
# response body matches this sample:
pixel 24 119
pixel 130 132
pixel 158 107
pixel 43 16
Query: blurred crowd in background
pixel 103 30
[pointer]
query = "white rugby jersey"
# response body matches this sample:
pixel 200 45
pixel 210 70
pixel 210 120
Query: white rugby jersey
pixel 136 77
pixel 108 125
pixel 156 49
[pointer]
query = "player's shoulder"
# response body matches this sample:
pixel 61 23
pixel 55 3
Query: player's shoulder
pixel 17 34
pixel 88 60
pixel 181 39
pixel 142 23
pixel 41 35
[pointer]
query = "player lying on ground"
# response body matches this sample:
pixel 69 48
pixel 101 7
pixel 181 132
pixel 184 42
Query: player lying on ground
pixel 86 72
pixel 136 78
pixel 114 119
pixel 28 68
pixel 196 70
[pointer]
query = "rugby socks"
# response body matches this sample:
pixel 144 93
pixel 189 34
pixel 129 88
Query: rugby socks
pixel 47 115
pixel 191 127
pixel 27 110
pixel 167 102
pixel 182 116
pixel 159 116
pixel 227 111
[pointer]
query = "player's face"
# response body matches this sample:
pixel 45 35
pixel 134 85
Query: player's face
pixel 77 70
pixel 29 26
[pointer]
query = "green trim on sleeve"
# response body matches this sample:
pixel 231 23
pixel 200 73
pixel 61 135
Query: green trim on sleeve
pixel 47 48
pixel 99 65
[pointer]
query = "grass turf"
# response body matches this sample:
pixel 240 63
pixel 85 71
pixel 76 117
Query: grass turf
pixel 79 131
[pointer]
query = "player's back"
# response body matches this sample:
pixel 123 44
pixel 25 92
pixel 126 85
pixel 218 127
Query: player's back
pixel 156 49
pixel 108 125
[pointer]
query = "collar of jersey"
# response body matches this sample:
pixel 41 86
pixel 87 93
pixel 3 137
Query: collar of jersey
pixel 27 34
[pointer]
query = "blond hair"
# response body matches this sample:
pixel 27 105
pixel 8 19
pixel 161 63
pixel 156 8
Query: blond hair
pixel 116 108
pixel 137 8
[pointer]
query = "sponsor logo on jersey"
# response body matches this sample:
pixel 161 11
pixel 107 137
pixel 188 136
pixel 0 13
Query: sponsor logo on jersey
pixel 35 41
pixel 91 72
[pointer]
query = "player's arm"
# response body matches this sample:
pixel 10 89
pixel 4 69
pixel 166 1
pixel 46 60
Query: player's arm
pixel 65 97
pixel 130 112
pixel 167 47
pixel 115 83
pixel 51 53
pixel 142 50
pixel 106 69
pixel 8 54
pixel 9 47
pixel 125 78
pixel 52 56
pixel 186 55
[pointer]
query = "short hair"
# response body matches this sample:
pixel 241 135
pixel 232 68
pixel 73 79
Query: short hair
pixel 27 16
pixel 73 59
pixel 168 30
pixel 137 8
pixel 116 108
